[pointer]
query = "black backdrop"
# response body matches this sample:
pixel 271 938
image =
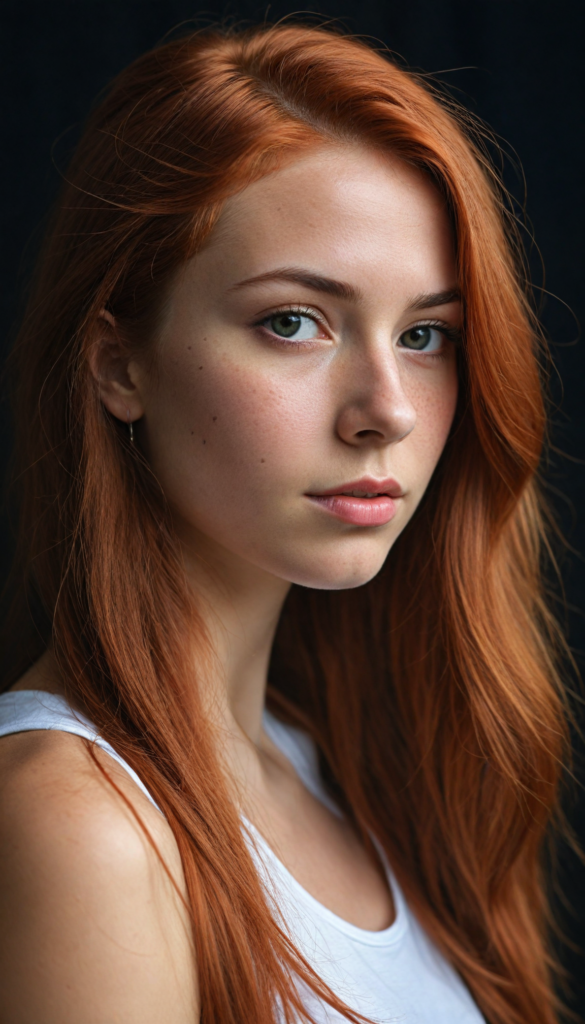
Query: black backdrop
pixel 519 64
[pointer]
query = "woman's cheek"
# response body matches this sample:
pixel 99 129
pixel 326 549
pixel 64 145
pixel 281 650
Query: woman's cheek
pixel 435 406
pixel 235 426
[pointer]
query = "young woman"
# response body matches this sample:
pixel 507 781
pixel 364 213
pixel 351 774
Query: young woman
pixel 280 418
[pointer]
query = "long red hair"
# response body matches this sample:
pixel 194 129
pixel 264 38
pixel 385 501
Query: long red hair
pixel 431 692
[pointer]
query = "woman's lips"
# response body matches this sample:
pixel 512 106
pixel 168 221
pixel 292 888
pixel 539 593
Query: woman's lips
pixel 359 511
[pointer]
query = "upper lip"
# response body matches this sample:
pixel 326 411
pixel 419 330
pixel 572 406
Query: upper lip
pixel 367 484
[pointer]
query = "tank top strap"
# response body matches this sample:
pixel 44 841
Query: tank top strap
pixel 31 710
pixel 299 748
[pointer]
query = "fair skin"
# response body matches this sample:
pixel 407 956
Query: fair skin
pixel 272 385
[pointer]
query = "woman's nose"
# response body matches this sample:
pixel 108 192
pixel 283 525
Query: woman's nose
pixel 375 409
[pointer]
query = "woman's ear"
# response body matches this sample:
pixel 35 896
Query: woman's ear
pixel 115 371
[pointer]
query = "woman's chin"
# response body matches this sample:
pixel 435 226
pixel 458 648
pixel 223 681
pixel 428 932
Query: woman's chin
pixel 338 576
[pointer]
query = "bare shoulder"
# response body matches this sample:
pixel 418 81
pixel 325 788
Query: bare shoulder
pixel 91 928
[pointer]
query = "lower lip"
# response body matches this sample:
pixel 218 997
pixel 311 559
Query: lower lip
pixel 359 511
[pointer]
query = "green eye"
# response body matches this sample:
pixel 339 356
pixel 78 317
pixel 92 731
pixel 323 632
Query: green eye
pixel 285 324
pixel 422 339
pixel 292 325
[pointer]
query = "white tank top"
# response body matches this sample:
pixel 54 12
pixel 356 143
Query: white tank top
pixel 395 976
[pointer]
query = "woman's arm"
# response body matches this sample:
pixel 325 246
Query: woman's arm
pixel 91 929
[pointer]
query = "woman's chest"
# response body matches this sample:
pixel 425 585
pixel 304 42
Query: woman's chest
pixel 325 856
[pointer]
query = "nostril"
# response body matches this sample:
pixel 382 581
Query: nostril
pixel 368 433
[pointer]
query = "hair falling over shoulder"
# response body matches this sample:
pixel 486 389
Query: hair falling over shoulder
pixel 432 691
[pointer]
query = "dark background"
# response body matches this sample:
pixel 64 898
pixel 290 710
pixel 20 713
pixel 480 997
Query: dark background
pixel 518 64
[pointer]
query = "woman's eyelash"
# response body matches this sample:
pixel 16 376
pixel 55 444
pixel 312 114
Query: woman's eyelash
pixel 295 310
pixel 453 334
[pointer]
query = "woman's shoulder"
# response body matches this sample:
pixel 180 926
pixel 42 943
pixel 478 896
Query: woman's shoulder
pixel 48 779
pixel 88 914
pixel 45 762
pixel 54 803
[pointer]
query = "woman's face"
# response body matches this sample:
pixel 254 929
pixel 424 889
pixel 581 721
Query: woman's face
pixel 307 351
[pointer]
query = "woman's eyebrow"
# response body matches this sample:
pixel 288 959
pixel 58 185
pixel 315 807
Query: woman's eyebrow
pixel 340 289
pixel 427 300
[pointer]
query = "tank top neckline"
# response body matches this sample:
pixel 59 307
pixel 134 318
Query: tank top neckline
pixel 294 744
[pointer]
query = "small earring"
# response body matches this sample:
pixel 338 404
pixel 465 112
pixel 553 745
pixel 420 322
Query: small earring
pixel 130 427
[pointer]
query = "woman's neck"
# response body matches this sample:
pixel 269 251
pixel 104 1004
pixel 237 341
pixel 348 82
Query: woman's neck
pixel 241 605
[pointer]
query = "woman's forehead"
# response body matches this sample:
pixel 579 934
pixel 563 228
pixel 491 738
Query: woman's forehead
pixel 330 179
pixel 342 213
